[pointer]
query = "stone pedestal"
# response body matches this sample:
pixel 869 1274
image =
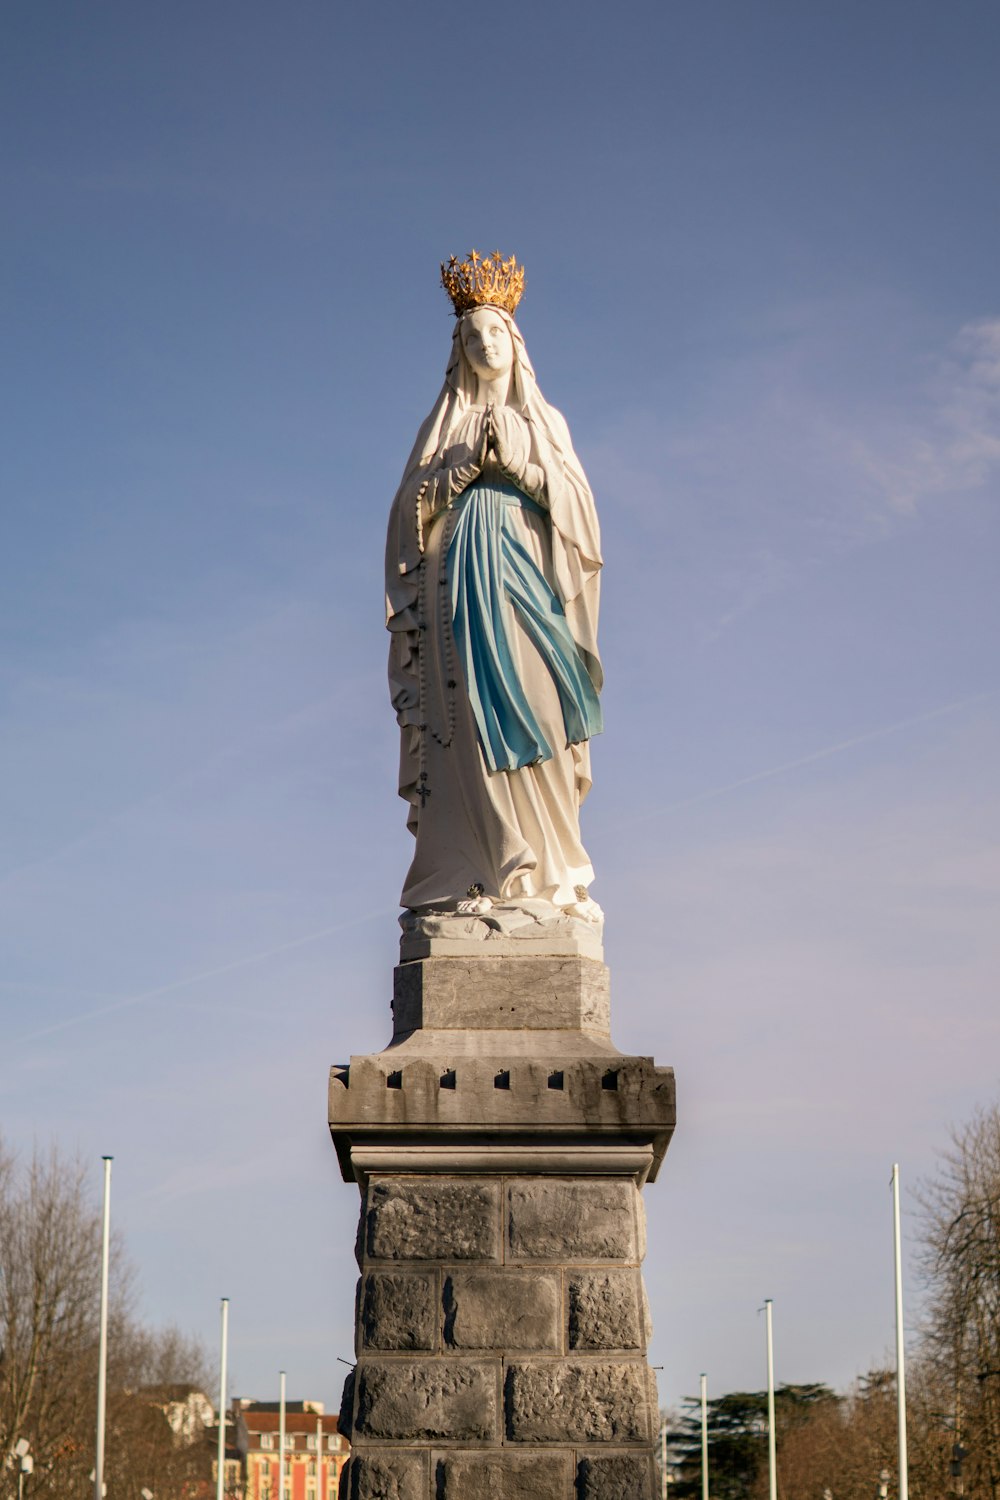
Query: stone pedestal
pixel 500 1144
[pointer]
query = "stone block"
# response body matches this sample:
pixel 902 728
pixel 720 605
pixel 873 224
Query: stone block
pixel 345 1423
pixel 359 1236
pixel 399 1310
pixel 415 1400
pixel 640 1225
pixel 567 1401
pixel 508 994
pixel 553 1219
pixel 450 1219
pixel 501 1309
pixel 504 1476
pixel 616 1476
pixel 385 1476
pixel 654 1395
pixel 605 1309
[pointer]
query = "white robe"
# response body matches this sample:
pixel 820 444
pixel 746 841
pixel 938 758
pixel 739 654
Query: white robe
pixel 514 833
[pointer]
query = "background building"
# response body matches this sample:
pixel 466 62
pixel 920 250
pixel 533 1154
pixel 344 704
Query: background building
pixel 315 1452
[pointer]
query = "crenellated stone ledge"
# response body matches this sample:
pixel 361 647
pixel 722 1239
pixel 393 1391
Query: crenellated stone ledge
pixel 418 1113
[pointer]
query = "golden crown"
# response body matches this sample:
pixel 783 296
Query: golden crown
pixel 480 281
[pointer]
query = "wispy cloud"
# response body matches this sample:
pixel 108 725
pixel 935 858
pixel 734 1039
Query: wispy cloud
pixel 953 445
pixel 786 458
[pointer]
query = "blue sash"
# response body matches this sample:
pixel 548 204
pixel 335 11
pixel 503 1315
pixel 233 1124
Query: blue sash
pixel 492 574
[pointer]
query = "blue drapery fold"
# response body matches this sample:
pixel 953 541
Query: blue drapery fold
pixel 492 576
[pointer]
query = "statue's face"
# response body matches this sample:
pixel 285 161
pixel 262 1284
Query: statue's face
pixel 488 345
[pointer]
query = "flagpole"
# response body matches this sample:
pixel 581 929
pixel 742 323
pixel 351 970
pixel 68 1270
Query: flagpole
pixel 663 1460
pixel 220 1478
pixel 900 1342
pixel 102 1358
pixel 772 1456
pixel 320 1489
pixel 704 1437
pixel 281 1435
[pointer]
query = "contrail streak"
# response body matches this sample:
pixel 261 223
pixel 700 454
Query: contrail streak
pixel 128 1001
pixel 162 793
pixel 807 760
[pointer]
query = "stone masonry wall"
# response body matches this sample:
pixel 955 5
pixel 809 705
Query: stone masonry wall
pixel 501 1342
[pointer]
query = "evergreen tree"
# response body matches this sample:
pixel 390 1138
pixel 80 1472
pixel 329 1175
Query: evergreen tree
pixel 737 1438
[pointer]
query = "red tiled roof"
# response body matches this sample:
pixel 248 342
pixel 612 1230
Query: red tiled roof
pixel 295 1422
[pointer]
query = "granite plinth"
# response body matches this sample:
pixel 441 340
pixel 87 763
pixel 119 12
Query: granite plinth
pixel 500 1143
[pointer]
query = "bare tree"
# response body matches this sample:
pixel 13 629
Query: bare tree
pixel 49 1300
pixel 961 1265
pixel 842 1445
pixel 50 1237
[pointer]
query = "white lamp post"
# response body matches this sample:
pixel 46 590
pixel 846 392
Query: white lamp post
pixel 25 1463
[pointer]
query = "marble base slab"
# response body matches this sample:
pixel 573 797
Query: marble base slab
pixel 503 930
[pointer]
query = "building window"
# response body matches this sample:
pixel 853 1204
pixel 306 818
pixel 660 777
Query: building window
pixel 266 1440
pixel 289 1441
pixel 311 1440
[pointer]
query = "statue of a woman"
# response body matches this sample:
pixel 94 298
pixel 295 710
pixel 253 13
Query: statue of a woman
pixel 492 578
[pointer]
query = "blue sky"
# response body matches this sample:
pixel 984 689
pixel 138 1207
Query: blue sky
pixel 761 246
